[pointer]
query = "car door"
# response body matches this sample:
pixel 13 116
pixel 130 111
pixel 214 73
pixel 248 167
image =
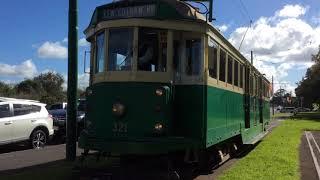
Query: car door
pixel 6 127
pixel 22 121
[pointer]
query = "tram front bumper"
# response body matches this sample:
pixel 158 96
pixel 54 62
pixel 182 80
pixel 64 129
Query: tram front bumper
pixel 155 145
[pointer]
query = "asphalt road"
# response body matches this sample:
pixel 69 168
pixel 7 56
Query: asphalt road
pixel 18 156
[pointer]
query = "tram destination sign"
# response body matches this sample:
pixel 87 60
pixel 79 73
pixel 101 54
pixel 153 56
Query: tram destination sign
pixel 130 12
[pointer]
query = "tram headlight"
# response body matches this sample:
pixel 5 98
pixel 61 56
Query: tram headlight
pixel 118 109
pixel 158 127
pixel 159 92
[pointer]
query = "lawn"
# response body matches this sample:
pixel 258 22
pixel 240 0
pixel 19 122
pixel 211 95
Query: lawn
pixel 277 156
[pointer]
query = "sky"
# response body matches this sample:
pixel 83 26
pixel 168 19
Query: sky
pixel 283 35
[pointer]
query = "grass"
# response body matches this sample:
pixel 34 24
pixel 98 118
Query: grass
pixel 277 156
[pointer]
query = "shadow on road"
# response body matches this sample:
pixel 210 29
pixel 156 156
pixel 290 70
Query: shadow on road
pixel 25 145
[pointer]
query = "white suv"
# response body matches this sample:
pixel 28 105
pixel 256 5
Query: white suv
pixel 24 120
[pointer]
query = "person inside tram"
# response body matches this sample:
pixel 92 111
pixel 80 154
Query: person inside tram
pixel 146 54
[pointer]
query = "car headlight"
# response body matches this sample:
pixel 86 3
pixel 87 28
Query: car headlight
pixel 118 109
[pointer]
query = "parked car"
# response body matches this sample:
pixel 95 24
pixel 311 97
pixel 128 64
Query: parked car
pixel 302 109
pixel 60 117
pixel 58 106
pixel 25 121
pixel 287 110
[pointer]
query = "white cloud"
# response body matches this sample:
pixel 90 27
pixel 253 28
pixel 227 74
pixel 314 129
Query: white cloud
pixel 292 11
pixel 83 42
pixel 222 28
pixel 65 40
pixel 83 81
pixel 26 69
pixel 52 50
pixel 284 39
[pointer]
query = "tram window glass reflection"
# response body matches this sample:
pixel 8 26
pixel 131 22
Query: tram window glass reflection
pixel 100 53
pixel 222 71
pixel 152 51
pixel 236 75
pixel 241 76
pixel 230 60
pixel 212 58
pixel 193 57
pixel 120 49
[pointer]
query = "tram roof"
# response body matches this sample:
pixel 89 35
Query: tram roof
pixel 152 9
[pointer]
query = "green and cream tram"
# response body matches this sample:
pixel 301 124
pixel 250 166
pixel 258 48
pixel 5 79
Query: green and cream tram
pixel 164 80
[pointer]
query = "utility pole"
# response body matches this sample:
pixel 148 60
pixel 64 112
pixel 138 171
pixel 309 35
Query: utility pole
pixel 252 57
pixel 71 145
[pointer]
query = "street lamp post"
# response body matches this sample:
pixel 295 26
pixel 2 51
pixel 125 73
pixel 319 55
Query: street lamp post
pixel 72 81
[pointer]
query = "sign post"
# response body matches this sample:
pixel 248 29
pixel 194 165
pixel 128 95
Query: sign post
pixel 71 145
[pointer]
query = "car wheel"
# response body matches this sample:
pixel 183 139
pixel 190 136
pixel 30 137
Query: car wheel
pixel 38 139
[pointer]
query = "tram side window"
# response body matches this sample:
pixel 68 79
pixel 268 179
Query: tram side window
pixel 212 58
pixel 236 73
pixel 193 57
pixel 241 76
pixel 222 71
pixel 230 62
pixel 120 49
pixel 251 85
pixel 152 51
pixel 100 53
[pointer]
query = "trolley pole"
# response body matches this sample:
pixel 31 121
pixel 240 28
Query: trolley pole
pixel 252 57
pixel 72 81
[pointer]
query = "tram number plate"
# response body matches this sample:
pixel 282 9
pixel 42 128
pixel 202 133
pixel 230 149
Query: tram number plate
pixel 120 127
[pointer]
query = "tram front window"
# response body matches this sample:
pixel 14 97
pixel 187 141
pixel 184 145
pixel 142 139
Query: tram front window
pixel 100 53
pixel 120 49
pixel 152 51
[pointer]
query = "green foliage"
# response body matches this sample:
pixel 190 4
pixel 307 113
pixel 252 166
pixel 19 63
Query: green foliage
pixel 46 87
pixel 309 87
pixel 276 157
pixel 6 90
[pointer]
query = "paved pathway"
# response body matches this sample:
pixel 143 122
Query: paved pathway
pixel 310 156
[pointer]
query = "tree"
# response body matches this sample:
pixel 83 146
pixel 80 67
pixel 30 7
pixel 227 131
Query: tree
pixel 6 90
pixel 51 85
pixel 309 87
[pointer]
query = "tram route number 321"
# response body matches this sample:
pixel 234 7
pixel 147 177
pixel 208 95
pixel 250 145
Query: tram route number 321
pixel 120 127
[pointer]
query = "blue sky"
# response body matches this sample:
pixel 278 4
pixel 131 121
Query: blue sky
pixel 33 34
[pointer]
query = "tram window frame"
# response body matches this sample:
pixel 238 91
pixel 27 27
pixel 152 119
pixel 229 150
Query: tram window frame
pixel 212 58
pixel 230 69
pixel 100 68
pixel 115 66
pixel 158 62
pixel 236 73
pixel 241 75
pixel 222 65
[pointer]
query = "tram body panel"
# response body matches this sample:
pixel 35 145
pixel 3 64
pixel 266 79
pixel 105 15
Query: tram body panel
pixel 194 113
